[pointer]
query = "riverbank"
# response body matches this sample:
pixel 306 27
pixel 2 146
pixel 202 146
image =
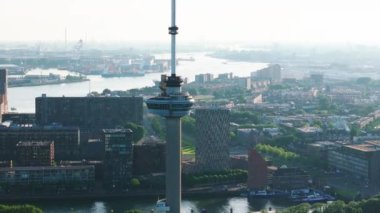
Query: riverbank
pixel 34 84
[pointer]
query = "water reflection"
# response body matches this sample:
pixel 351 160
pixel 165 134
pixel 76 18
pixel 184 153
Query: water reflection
pixel 212 204
pixel 99 207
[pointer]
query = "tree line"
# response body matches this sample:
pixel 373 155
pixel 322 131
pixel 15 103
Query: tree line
pixel 19 209
pixel 219 177
pixel 276 151
pixel 371 205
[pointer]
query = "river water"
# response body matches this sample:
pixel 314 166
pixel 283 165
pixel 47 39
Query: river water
pixel 22 98
pixel 213 205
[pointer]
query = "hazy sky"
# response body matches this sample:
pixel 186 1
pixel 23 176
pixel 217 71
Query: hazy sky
pixel 199 20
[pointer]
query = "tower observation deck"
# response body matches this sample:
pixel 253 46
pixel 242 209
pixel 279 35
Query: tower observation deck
pixel 172 104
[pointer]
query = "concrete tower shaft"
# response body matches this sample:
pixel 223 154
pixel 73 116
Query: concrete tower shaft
pixel 173 164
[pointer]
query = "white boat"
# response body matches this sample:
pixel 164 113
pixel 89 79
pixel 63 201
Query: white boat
pixel 161 206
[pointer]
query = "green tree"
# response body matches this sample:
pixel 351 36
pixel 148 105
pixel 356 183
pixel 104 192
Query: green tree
pixel 133 211
pixel 301 208
pixel 138 131
pixel 244 117
pixel 135 182
pixel 324 102
pixel 188 124
pixel 371 205
pixel 276 151
pixel 19 209
pixel 335 207
pixel 317 207
pixel 232 136
pixel 352 207
pixel 106 91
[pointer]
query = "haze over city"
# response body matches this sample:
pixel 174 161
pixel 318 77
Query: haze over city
pixel 199 20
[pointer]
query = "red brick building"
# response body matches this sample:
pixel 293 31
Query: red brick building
pixel 3 91
pixel 257 171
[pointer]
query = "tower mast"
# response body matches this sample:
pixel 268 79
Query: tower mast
pixel 173 32
pixel 172 104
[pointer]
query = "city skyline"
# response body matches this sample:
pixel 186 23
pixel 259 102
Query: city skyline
pixel 146 20
pixel 274 101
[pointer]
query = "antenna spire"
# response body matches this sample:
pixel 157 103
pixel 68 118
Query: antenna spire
pixel 173 31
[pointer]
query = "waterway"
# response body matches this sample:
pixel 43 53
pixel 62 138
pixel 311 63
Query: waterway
pixel 22 98
pixel 213 205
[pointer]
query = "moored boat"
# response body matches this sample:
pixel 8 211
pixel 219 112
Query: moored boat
pixel 161 206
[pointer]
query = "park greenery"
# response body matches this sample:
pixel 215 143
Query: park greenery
pixel 188 125
pixel 227 176
pixel 371 205
pixel 133 211
pixel 235 94
pixel 219 177
pixel 244 117
pixel 19 209
pixel 188 149
pixel 276 152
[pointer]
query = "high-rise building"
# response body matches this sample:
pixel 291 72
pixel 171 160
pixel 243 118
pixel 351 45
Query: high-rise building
pixel 35 153
pixel 213 129
pixel 66 141
pixel 244 83
pixel 89 112
pixel 360 160
pixel 204 78
pixel 118 158
pixel 226 76
pixel 3 91
pixel 271 73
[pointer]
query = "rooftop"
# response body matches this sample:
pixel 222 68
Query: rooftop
pixel 326 143
pixel 369 146
pixel 37 168
pixel 309 129
pixel 111 131
pixel 34 143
